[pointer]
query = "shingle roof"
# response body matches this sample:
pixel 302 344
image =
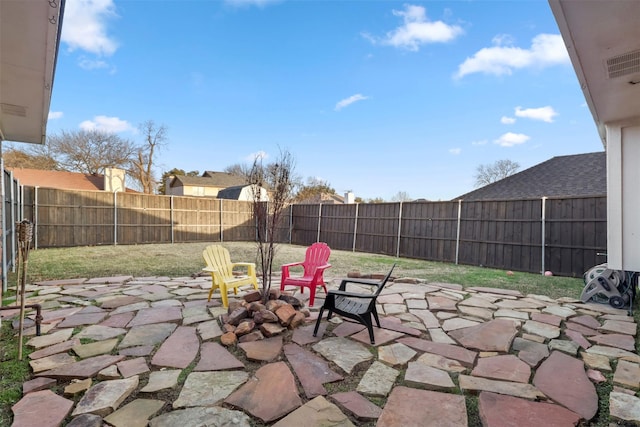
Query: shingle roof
pixel 562 176
pixel 58 179
pixel 231 193
pixel 224 179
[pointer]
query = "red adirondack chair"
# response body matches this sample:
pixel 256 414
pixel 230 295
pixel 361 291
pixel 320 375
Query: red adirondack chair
pixel 315 262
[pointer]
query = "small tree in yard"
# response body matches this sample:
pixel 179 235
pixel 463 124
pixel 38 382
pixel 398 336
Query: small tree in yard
pixel 267 214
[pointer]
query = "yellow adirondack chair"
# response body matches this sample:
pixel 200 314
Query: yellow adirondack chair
pixel 221 268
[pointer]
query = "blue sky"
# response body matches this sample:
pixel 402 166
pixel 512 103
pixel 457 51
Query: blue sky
pixel 376 97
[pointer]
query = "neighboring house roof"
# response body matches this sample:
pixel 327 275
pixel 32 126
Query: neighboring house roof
pixel 562 176
pixel 325 198
pixel 224 179
pixel 232 193
pixel 208 179
pixel 58 179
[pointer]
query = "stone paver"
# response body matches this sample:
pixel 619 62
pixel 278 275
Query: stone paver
pixel 531 358
pixel 563 379
pixel 501 410
pixel 412 407
pixel 51 410
pixel 271 394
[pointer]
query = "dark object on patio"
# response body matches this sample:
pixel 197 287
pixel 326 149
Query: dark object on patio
pixel 356 306
pixel 316 261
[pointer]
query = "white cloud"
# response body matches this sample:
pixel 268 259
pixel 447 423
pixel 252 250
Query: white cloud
pixel 258 155
pixel 92 64
pixel 416 30
pixel 107 124
pixel 350 100
pixel 510 139
pixel 546 114
pixel 480 142
pixel 53 115
pixel 507 120
pixel 455 151
pixel 545 50
pixel 85 26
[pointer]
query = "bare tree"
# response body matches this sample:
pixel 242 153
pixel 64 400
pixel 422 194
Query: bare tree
pixel 90 151
pixel 401 196
pixel 30 158
pixel 267 215
pixel 155 137
pixel 487 174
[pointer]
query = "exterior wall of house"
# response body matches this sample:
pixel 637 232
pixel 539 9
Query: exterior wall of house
pixel 623 196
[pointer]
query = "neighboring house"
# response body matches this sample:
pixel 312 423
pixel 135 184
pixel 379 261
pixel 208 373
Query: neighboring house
pixel 324 198
pixel 207 185
pixel 112 180
pixel 243 192
pixel 563 176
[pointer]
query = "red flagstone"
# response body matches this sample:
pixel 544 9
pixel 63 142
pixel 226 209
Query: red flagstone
pixel 83 369
pixel 269 395
pixel 504 367
pixel 361 407
pixel 461 354
pixel 38 384
pixel 587 332
pixel 380 336
pixel 41 408
pixel 54 349
pixel 498 410
pixel 119 301
pixel 347 328
pixel 550 319
pixel 394 324
pixel 494 335
pixel 120 320
pixel 413 407
pixel 311 370
pixel 156 315
pixel 81 319
pixel 214 357
pixel 577 338
pixel 437 303
pixel 586 320
pixel 131 367
pixel 563 379
pixel 304 334
pixel 263 350
pixel 179 350
pixel 623 341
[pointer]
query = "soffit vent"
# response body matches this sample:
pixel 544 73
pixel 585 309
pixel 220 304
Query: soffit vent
pixel 14 110
pixel 623 65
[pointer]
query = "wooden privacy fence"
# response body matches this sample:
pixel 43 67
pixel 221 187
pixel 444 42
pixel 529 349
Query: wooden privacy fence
pixel 84 218
pixel 563 235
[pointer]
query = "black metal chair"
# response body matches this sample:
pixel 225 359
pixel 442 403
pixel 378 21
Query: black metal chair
pixel 357 306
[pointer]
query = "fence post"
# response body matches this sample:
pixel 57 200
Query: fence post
pixel 221 223
pixel 290 222
pixel 319 219
pixel 355 229
pixel 35 217
pixel 458 231
pixel 4 229
pixel 171 218
pixel 399 228
pixel 543 223
pixel 13 206
pixel 115 218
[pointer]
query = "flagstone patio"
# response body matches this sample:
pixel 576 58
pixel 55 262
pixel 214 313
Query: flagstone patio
pixel 125 351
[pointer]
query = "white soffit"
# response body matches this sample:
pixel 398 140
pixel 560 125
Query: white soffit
pixel 29 38
pixel 603 40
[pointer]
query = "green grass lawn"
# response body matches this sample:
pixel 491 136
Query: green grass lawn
pixel 185 259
